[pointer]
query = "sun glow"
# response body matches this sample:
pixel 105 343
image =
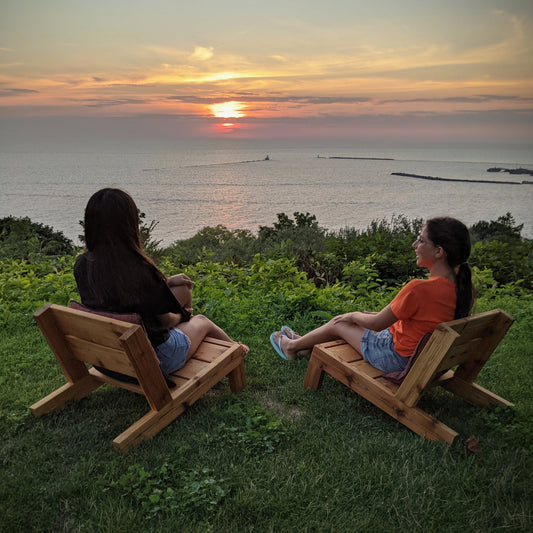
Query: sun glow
pixel 228 109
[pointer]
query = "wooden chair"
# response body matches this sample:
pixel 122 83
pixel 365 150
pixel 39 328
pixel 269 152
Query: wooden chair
pixel 78 338
pixel 466 344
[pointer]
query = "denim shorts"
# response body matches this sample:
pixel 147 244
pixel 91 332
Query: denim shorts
pixel 378 350
pixel 172 353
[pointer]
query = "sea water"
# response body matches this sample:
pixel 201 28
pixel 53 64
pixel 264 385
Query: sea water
pixel 188 185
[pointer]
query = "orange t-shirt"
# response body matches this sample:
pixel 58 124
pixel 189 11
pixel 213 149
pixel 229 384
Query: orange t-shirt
pixel 419 307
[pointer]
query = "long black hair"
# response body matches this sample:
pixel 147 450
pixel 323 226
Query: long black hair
pixel 453 236
pixel 113 244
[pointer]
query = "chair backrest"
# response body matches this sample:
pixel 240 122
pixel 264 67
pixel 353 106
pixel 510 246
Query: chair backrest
pixel 132 318
pixel 78 338
pixel 465 343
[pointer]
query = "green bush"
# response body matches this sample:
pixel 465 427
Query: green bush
pixel 215 243
pixel 387 245
pixel 20 238
pixel 24 286
pixel 503 229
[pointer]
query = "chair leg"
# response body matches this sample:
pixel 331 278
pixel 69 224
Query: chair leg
pixel 237 378
pixel 314 375
pixel 69 391
pixel 150 424
pixel 471 392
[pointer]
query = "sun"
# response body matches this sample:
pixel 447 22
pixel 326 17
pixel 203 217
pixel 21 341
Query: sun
pixel 228 109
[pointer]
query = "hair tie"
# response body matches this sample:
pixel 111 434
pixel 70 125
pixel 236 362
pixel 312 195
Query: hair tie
pixel 464 263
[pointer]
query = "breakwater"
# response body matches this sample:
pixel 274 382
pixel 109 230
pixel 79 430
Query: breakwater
pixel 436 178
pixel 514 171
pixel 365 158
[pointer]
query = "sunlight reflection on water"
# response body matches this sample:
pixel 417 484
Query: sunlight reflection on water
pixel 186 190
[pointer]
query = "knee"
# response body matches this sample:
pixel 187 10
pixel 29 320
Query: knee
pixel 332 327
pixel 201 321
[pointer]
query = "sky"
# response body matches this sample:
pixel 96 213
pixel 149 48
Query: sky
pixel 457 70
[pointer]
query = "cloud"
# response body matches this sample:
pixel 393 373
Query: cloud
pixel 9 91
pixel 476 99
pixel 201 53
pixel 192 99
pixel 96 102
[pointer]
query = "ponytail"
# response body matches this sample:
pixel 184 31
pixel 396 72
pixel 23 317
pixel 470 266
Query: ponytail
pixel 465 293
pixel 452 235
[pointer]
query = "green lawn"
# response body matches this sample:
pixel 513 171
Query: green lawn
pixel 275 457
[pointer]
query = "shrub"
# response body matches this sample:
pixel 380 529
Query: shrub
pixel 20 238
pixel 387 245
pixel 216 243
pixel 502 229
pixel 293 237
pixel 498 246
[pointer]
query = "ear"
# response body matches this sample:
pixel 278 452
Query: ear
pixel 440 253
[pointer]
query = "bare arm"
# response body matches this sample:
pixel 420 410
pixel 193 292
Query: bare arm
pixel 170 320
pixel 373 321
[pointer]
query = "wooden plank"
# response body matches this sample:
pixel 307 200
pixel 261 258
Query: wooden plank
pixel 133 387
pixel 393 387
pixel 98 355
pixel 346 353
pixel 73 369
pixel 143 358
pixel 457 355
pixel 425 367
pixel 472 392
pixel 237 378
pixel 469 370
pixel 94 328
pixel 209 351
pixel 315 373
pixel 179 382
pixel 207 377
pixel 477 323
pixel 191 368
pixel 365 368
pixel 69 391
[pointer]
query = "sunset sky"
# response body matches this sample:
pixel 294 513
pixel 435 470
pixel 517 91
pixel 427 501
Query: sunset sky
pixel 454 69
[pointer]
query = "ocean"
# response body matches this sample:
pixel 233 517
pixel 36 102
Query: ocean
pixel 187 185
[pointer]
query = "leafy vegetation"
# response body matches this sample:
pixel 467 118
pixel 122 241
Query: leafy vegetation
pixel 20 238
pixel 275 457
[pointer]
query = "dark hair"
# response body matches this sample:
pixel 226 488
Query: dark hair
pixel 111 221
pixel 112 239
pixel 453 237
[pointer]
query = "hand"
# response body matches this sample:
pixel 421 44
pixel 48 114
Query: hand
pixel 346 317
pixel 180 279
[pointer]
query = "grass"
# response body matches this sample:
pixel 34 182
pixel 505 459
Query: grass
pixel 275 457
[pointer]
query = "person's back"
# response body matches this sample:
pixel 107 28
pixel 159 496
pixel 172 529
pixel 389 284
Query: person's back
pixel 115 275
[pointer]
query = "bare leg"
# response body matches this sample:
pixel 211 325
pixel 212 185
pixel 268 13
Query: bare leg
pixel 200 327
pixel 349 332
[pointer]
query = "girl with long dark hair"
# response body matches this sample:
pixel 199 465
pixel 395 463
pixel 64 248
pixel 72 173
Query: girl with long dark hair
pixel 387 339
pixel 115 275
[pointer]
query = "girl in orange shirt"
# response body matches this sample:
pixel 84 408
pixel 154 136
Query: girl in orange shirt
pixel 386 339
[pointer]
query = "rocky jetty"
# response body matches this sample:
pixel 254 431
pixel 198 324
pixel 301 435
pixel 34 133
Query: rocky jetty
pixel 515 171
pixel 436 178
